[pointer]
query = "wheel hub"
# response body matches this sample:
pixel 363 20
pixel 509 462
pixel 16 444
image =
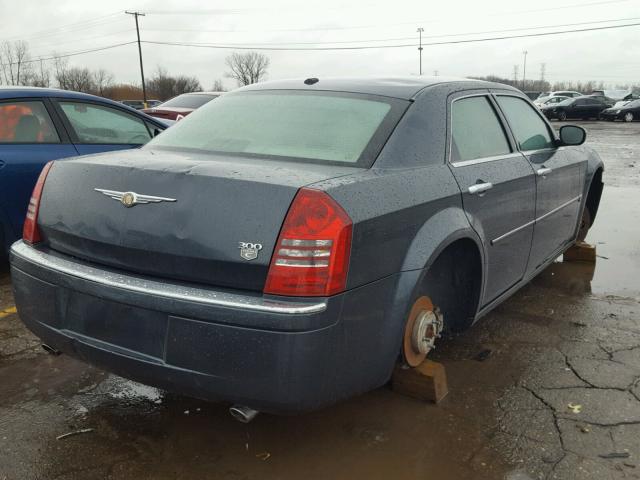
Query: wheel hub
pixel 423 327
pixel 427 327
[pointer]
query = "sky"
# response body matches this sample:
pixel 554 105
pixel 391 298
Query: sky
pixel 609 55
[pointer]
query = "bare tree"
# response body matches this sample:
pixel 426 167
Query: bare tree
pixel 16 66
pixel 79 80
pixel 247 68
pixel 102 82
pixel 164 86
pixel 61 67
pixel 41 77
pixel 218 86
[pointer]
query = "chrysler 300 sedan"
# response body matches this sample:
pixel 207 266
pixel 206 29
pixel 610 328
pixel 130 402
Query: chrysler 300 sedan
pixel 283 247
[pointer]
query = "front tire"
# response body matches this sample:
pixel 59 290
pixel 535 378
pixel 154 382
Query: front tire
pixel 562 116
pixel 628 117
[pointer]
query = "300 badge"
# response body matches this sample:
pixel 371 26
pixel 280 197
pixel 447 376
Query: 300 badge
pixel 249 251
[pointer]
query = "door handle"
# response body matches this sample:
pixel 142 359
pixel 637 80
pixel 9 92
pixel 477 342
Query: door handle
pixel 480 188
pixel 543 172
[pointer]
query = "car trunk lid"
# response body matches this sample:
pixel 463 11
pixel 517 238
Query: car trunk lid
pixel 220 202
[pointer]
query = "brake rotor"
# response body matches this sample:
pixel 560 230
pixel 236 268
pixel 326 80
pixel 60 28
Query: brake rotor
pixel 423 327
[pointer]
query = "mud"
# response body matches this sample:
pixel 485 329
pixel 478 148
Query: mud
pixel 557 397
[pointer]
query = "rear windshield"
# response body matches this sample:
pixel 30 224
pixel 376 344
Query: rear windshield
pixel 188 101
pixel 316 126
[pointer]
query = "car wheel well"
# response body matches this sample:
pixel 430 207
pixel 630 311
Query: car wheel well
pixel 594 194
pixel 454 282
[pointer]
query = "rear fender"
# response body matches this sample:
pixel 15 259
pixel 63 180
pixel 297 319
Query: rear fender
pixel 440 231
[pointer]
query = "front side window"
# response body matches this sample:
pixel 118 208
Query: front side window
pixel 95 124
pixel 476 131
pixel 530 130
pixel 26 122
pixel 288 124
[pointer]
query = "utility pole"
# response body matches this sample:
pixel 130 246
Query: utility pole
pixel 524 70
pixel 144 88
pixel 420 30
pixel 435 73
pixel 516 70
pixel 543 70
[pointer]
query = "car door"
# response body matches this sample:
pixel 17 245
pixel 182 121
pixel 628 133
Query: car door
pixel 559 178
pixel 98 127
pixel 498 188
pixel 30 136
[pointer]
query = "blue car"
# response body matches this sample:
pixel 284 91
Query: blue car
pixel 42 124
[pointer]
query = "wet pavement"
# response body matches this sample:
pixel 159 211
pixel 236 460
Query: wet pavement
pixel 557 397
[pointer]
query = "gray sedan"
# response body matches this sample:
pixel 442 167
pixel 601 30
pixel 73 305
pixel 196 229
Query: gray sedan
pixel 285 246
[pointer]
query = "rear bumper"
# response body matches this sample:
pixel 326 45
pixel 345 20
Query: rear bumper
pixel 276 355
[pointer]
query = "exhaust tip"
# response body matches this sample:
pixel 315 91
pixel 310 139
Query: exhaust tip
pixel 242 413
pixel 50 350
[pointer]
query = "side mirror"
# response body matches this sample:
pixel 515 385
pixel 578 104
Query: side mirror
pixel 572 135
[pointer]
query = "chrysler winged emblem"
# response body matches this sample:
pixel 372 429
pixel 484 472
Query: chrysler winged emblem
pixel 131 199
pixel 249 251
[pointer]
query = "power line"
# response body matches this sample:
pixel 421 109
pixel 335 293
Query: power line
pixel 73 54
pixel 371 47
pixel 449 35
pixel 65 29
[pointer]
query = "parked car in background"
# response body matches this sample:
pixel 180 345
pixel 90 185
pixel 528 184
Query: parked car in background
pixel 584 108
pixel 139 104
pixel 552 101
pixel 179 107
pixel 284 246
pixel 628 111
pixel 40 124
pixel 560 93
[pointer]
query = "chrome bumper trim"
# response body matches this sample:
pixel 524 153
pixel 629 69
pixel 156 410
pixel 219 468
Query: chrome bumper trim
pixel 161 289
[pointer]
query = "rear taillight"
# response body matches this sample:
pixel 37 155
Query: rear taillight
pixel 30 230
pixel 311 257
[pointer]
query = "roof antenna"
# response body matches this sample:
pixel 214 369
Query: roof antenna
pixel 311 81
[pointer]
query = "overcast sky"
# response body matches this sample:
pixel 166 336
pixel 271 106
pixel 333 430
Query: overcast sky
pixel 65 26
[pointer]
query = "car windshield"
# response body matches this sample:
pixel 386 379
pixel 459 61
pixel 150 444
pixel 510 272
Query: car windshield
pixel 632 104
pixel 189 101
pixel 316 126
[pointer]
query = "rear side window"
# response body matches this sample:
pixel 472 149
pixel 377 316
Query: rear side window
pixel 95 124
pixel 530 130
pixel 476 130
pixel 26 122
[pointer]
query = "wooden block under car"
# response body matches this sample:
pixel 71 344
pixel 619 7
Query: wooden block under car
pixel 427 381
pixel 580 252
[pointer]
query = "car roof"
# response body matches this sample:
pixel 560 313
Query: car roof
pixel 201 93
pixel 398 87
pixel 12 92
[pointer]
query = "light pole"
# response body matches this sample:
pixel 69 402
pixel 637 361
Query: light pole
pixel 144 89
pixel 420 30
pixel 524 70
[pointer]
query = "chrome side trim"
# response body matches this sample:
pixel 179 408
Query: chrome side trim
pixel 557 209
pixel 528 224
pixel 161 289
pixel 475 161
pixel 512 232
